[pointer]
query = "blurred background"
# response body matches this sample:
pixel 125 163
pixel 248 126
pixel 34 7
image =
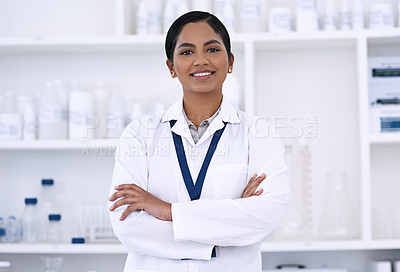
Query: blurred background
pixel 74 73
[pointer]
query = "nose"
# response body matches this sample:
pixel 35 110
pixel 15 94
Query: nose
pixel 201 59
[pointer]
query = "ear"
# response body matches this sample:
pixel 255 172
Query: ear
pixel 231 61
pixel 170 66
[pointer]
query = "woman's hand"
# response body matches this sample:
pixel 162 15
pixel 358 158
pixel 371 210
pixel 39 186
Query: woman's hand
pixel 139 199
pixel 252 186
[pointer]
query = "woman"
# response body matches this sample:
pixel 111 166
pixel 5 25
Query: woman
pixel 184 193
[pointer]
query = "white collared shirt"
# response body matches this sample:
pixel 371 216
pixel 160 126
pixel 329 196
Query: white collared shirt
pixel 146 156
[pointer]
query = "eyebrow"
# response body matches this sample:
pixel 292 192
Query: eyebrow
pixel 192 45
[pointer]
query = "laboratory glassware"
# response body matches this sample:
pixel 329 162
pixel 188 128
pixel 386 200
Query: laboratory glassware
pixel 357 15
pixel 228 16
pixel 306 15
pixel 52 122
pixel 280 20
pixel 48 203
pixel 30 221
pixel 54 231
pixel 383 223
pixel 344 15
pixel 338 220
pixel 251 16
pixel 298 222
pixel 10 119
pixel 13 230
pixel 116 115
pixel 101 95
pixel 329 19
pixel 3 233
pixel 81 114
pixel 52 264
pixel 141 18
pixel 381 15
pixel 29 122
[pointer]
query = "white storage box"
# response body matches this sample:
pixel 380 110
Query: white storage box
pixel 384 118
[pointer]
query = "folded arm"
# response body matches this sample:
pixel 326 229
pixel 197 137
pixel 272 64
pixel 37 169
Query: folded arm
pixel 141 232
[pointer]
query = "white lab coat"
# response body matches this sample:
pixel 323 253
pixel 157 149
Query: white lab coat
pixel 146 156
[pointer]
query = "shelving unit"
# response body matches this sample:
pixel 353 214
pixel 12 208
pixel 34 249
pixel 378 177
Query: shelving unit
pixel 293 75
pixel 58 145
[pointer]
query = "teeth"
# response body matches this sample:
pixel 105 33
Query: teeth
pixel 202 74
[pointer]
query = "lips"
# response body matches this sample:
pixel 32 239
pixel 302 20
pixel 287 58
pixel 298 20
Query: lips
pixel 202 74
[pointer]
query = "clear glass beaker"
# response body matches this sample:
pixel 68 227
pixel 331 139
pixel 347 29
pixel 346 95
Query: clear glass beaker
pixel 52 264
pixel 338 220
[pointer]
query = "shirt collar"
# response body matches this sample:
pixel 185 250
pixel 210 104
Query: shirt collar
pixel 207 121
pixel 226 114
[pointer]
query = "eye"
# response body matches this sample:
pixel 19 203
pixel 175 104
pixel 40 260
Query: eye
pixel 186 53
pixel 213 50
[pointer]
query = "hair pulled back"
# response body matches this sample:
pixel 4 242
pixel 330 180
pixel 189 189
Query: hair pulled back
pixel 193 17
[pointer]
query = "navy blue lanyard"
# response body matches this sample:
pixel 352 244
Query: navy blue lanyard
pixel 194 190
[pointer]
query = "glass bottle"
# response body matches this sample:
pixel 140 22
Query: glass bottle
pixel 30 221
pixel 48 204
pixel 13 230
pixel 338 220
pixel 3 237
pixel 54 232
pixel 329 20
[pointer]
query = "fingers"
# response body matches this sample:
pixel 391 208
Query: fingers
pixel 127 194
pixel 122 201
pixel 122 190
pixel 252 186
pixel 259 192
pixel 128 210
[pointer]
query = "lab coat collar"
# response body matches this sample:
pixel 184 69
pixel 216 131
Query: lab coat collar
pixel 227 114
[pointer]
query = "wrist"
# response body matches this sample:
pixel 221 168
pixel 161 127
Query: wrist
pixel 169 215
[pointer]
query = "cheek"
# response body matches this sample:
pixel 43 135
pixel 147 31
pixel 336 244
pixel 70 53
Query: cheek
pixel 181 65
pixel 221 63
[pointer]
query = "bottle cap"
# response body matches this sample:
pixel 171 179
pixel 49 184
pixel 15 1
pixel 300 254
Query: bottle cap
pixel 78 240
pixel 31 201
pixel 54 217
pixel 47 182
pixel 2 232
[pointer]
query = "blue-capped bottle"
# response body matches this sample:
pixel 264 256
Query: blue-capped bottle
pixel 30 221
pixel 13 230
pixel 48 203
pixel 54 231
pixel 3 237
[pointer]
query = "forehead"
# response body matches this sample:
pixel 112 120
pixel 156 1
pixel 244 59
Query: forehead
pixel 197 33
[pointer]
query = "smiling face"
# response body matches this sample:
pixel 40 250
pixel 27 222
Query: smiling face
pixel 200 59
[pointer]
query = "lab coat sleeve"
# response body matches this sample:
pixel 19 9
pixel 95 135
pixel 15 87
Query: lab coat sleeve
pixel 140 232
pixel 240 222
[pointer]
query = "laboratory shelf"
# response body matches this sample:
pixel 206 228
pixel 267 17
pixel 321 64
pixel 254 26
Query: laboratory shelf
pixel 59 144
pixel 92 45
pixel 132 43
pixel 153 43
pixel 62 249
pixel 329 245
pixel 110 44
pixel 385 138
pixel 266 247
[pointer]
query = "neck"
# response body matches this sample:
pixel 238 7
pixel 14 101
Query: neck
pixel 199 107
